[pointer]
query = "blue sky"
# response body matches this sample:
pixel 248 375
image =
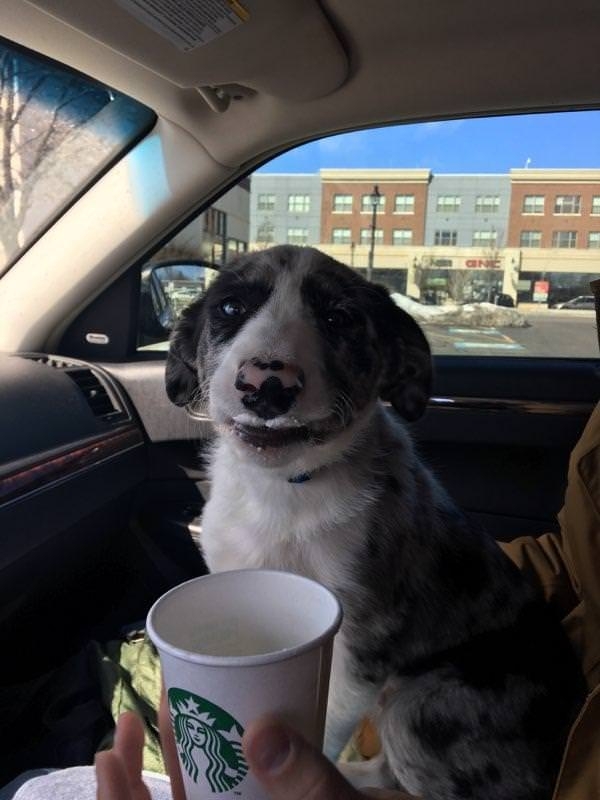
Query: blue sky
pixel 488 145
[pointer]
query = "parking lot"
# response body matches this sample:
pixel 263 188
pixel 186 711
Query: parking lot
pixel 551 333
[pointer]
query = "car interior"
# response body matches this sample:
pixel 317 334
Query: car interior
pixel 102 479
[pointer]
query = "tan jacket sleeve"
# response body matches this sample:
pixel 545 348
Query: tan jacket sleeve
pixel 542 561
pixel 566 566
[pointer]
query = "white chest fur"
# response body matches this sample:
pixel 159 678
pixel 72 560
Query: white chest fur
pixel 258 519
pixel 313 528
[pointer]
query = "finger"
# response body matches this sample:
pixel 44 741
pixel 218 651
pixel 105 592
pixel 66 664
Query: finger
pixel 129 749
pixel 167 740
pixel 111 780
pixel 289 768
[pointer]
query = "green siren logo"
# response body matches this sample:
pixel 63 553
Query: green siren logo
pixel 208 740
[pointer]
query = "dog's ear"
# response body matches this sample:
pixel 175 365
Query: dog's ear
pixel 183 360
pixel 408 366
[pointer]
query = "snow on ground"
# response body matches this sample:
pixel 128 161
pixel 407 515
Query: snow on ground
pixel 471 315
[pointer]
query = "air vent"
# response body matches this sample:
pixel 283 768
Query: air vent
pixel 104 403
pixel 51 361
pixel 95 393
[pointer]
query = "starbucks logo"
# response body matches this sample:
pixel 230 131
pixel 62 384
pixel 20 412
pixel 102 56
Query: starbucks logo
pixel 208 740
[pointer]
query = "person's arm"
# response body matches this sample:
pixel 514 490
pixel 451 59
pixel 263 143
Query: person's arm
pixel 543 562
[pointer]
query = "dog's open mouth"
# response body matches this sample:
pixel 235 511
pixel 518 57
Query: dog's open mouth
pixel 263 436
pixel 280 431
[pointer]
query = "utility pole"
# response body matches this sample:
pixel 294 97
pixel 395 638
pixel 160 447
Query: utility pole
pixel 375 197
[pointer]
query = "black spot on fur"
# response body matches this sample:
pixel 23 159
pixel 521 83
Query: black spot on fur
pixel 393 484
pixel 463 787
pixel 251 292
pixel 351 355
pixel 372 546
pixel 492 773
pixel 462 570
pixel 500 599
pixel 439 731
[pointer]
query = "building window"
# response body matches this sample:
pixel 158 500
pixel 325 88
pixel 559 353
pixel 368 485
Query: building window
pixel 533 204
pixel 342 203
pixel 297 235
pixel 594 239
pixel 299 203
pixel 264 233
pixel 485 238
pixel 596 204
pixel 487 203
pixel 530 239
pixel 448 203
pixel 340 236
pixel 366 205
pixel 567 204
pixel 404 204
pixel 445 238
pixel 214 222
pixel 365 236
pixel 402 237
pixel 236 246
pixel 266 202
pixel 564 239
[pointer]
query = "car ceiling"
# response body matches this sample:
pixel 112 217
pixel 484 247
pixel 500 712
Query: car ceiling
pixel 303 69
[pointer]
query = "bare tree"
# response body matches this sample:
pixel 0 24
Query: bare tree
pixel 39 108
pixel 420 272
pixel 460 283
pixel 264 234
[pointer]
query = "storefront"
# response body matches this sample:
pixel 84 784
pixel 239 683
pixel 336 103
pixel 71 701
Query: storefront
pixel 460 285
pixel 547 288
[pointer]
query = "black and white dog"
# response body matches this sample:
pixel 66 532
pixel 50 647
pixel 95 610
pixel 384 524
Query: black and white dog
pixel 474 683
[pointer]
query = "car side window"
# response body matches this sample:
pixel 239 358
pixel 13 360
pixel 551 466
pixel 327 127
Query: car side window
pixel 491 252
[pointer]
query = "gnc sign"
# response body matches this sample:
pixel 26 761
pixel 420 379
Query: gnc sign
pixel 483 263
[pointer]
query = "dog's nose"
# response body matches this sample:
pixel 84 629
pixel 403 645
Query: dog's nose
pixel 269 388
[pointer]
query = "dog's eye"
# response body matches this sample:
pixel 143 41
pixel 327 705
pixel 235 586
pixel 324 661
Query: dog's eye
pixel 232 307
pixel 338 318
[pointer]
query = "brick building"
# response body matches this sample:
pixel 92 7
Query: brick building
pixel 346 207
pixel 531 234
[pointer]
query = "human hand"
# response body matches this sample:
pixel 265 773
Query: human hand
pixel 119 770
pixel 290 769
pixel 281 760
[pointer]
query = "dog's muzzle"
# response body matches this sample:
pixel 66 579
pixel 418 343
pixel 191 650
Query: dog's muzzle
pixel 268 388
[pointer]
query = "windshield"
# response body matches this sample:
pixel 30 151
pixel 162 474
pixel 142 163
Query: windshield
pixel 58 131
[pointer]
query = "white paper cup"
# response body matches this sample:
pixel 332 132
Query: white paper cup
pixel 233 646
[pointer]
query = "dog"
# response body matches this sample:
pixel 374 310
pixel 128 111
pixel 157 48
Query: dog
pixel 471 682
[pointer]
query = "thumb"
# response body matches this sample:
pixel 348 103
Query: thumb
pixel 289 768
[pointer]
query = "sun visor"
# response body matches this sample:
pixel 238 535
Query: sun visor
pixel 286 49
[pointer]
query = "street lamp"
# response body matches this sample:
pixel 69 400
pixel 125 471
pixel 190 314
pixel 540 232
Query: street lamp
pixel 374 199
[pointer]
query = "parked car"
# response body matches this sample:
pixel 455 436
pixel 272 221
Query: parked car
pixel 504 300
pixel 584 302
pixel 136 131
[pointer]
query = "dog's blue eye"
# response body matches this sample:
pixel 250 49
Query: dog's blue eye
pixel 232 307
